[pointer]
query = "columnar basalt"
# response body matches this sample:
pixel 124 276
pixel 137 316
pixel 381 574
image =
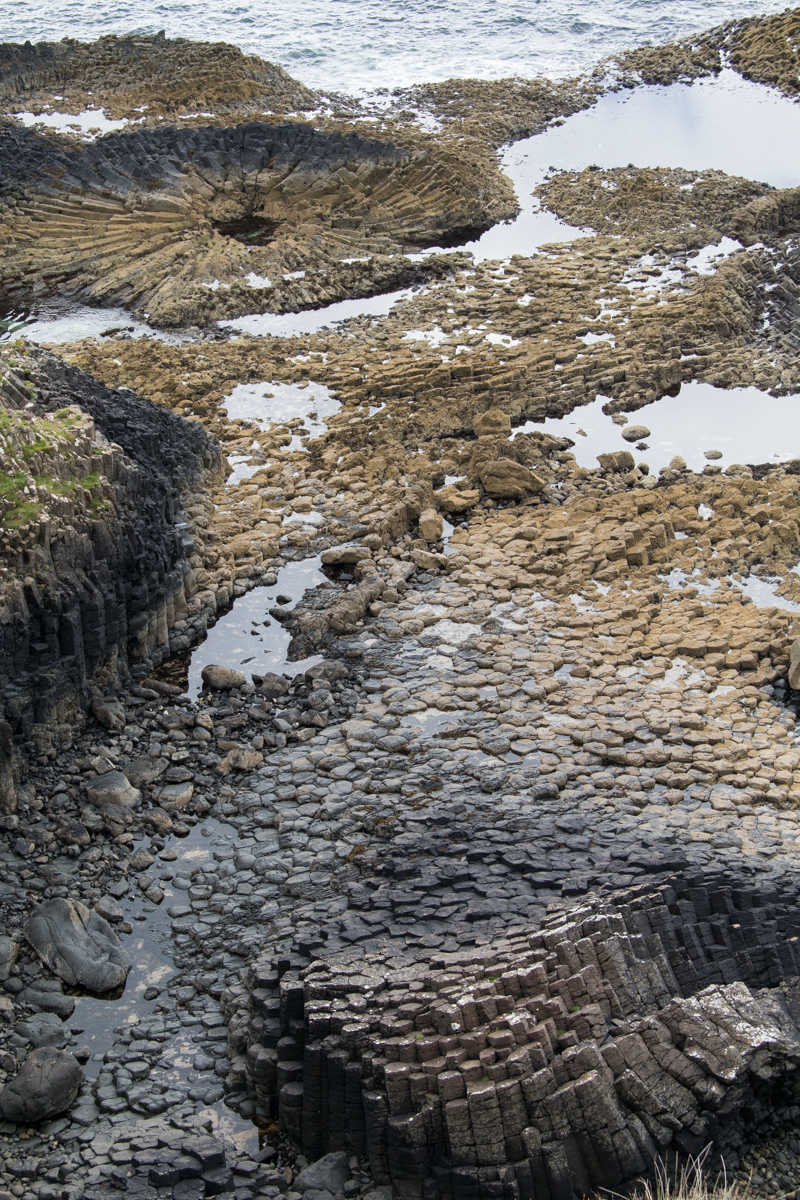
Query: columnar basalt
pixel 195 224
pixel 546 1063
pixel 95 571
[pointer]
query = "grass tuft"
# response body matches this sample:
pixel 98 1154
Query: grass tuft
pixel 691 1183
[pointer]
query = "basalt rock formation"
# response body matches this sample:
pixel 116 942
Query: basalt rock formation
pixel 190 225
pixel 95 568
pixel 142 78
pixel 552 1062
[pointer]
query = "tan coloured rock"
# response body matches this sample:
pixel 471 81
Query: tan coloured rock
pixel 451 500
pixel 344 555
pixel 794 664
pixel 616 460
pixel 431 525
pixel 492 423
pixel 635 433
pixel 509 480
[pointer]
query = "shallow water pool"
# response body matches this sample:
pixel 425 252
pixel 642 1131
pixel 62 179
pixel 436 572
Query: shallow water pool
pixel 744 424
pixel 726 123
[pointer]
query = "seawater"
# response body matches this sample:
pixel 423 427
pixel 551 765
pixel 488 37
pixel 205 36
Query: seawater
pixel 365 45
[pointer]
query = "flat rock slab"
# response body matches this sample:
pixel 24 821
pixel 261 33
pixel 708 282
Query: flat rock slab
pixel 78 945
pixel 46 1084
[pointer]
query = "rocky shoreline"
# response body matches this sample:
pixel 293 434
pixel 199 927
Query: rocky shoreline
pixel 485 885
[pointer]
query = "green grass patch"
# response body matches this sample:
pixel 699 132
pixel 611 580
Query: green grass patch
pixel 58 487
pixel 35 448
pixel 91 481
pixel 10 484
pixel 25 512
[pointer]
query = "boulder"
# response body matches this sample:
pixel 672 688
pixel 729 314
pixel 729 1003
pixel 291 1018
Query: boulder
pixel 492 423
pixel 344 554
pixel 240 759
pixel 451 500
pixel 50 1000
pixel 43 1029
pixel 109 713
pixel 175 796
pixel 8 956
pixel 328 1174
pixel 141 771
pixel 425 560
pixel 617 460
pixel 635 433
pixel 113 791
pixel 794 664
pixel 73 833
pixel 46 1084
pixel 505 479
pixel 222 679
pixel 77 945
pixel 271 685
pixel 431 525
pixel 713 455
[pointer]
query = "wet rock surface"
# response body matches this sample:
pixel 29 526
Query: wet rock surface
pixel 77 945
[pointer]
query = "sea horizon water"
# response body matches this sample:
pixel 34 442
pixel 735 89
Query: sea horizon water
pixel 365 46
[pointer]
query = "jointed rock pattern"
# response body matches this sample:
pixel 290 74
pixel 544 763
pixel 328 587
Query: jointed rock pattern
pixel 544 1064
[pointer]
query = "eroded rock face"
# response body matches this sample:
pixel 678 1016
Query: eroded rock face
pixel 46 1084
pixel 78 945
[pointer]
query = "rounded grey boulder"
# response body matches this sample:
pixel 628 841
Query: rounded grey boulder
pixel 635 433
pixel 78 945
pixel 46 1084
pixel 113 790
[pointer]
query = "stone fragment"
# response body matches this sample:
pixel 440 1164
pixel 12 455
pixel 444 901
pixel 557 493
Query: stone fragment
pixel 431 525
pixel 46 1084
pixel 794 664
pixel 9 948
pixel 49 1000
pixel 425 560
pixel 329 1174
pixel 222 679
pixel 344 555
pixel 175 796
pixel 505 479
pixel 77 945
pixel 493 422
pixel 635 433
pixel 451 500
pixel 271 685
pixel 109 713
pixel 43 1029
pixel 713 455
pixel 112 790
pixel 616 460
pixel 240 759
pixel 141 771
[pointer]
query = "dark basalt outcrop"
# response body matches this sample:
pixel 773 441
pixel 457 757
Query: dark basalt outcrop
pixel 96 567
pixel 549 1062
